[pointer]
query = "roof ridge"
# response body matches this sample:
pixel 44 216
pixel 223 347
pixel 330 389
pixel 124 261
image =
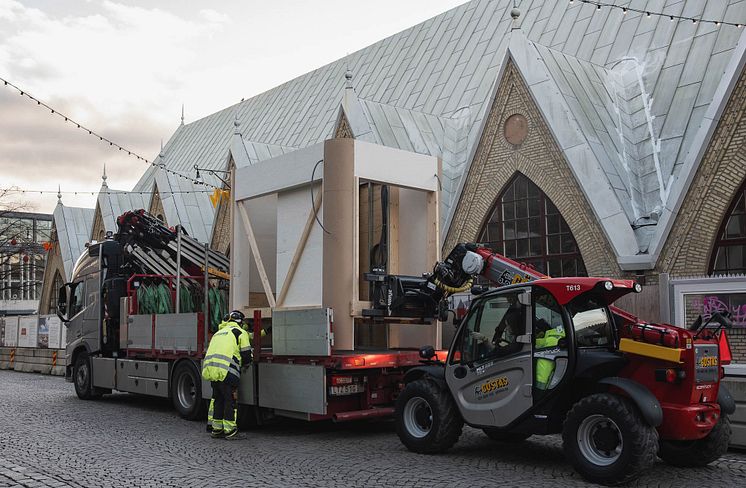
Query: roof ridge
pixel 405 108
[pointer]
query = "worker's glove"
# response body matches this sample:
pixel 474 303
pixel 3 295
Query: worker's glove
pixel 477 337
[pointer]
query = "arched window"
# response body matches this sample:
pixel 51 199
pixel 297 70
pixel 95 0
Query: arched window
pixel 53 295
pixel 526 226
pixel 729 254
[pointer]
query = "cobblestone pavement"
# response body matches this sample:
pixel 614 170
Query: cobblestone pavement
pixel 50 438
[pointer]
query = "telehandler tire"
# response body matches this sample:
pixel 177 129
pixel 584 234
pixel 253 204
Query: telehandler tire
pixel 607 441
pixel 699 453
pixel 427 418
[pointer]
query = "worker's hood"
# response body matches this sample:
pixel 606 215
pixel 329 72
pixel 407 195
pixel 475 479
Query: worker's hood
pixel 226 324
pixel 604 289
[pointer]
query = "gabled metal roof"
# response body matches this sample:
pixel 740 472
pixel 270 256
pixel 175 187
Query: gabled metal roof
pixel 114 203
pixel 643 92
pixel 73 225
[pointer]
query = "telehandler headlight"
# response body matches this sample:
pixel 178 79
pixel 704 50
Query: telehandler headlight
pixel 609 286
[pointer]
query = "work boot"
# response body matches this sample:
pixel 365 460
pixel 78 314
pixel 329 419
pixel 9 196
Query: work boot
pixel 231 434
pixel 209 428
pixel 217 433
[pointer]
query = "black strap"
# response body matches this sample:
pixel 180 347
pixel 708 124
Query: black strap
pixel 237 332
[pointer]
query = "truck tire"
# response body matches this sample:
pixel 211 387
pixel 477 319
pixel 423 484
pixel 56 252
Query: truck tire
pixel 83 378
pixel 186 391
pixel 501 435
pixel 427 419
pixel 695 454
pixel 607 441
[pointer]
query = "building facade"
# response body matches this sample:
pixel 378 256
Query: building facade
pixel 23 236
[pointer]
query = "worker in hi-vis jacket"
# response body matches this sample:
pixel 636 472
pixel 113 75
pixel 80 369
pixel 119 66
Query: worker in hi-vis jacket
pixel 229 349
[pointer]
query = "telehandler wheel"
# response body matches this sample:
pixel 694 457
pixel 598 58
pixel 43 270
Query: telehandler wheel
pixel 186 391
pixel 607 441
pixel 427 419
pixel 695 454
pixel 501 435
pixel 83 378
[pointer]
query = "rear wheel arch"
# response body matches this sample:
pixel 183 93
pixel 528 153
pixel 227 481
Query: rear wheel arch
pixel 644 400
pixel 725 400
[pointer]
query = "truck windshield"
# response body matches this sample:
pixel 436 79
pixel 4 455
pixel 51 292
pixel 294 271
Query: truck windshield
pixel 591 322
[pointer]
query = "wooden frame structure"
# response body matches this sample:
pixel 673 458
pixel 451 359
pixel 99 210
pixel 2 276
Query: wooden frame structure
pixel 295 239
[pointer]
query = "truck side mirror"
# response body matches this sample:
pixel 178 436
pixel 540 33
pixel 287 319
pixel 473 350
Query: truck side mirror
pixel 427 352
pixel 62 302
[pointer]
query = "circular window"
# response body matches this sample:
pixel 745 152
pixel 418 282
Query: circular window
pixel 516 129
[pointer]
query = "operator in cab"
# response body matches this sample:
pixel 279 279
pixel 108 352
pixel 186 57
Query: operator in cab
pixel 229 349
pixel 546 337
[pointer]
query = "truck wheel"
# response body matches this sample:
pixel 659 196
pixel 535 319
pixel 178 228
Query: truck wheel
pixel 607 441
pixel 83 378
pixel 501 435
pixel 186 391
pixel 701 452
pixel 427 419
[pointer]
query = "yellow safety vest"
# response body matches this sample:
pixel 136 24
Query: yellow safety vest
pixel 545 367
pixel 224 353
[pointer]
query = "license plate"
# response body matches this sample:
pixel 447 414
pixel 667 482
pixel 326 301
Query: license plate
pixel 346 389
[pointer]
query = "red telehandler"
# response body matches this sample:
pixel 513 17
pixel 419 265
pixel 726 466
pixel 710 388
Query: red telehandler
pixel 540 355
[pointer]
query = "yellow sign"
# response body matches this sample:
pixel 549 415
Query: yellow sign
pixel 708 361
pixel 492 385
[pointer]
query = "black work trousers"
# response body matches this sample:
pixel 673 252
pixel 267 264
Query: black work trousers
pixel 224 409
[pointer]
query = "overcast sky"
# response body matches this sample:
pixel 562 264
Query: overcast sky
pixel 125 67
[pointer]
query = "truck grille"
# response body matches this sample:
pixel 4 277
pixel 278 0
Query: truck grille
pixel 706 368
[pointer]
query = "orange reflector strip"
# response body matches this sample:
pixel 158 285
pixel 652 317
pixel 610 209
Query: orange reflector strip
pixel 650 350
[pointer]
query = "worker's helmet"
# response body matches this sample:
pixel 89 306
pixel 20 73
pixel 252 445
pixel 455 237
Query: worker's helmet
pixel 237 317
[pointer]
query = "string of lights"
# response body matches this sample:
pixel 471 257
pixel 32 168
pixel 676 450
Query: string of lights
pixel 648 13
pixel 97 192
pixel 100 137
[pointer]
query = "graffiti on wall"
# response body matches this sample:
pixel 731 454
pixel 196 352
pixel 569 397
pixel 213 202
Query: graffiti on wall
pixel 707 304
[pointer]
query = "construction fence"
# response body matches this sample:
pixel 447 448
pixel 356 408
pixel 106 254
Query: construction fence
pixel 33 343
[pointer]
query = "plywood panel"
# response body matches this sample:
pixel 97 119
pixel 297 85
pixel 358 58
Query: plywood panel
pixel 412 232
pixel 263 215
pixel 293 212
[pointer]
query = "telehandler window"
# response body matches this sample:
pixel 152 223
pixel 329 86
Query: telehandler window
pixel 591 321
pixel 492 330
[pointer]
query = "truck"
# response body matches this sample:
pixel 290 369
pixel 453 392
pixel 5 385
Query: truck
pixel 143 303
